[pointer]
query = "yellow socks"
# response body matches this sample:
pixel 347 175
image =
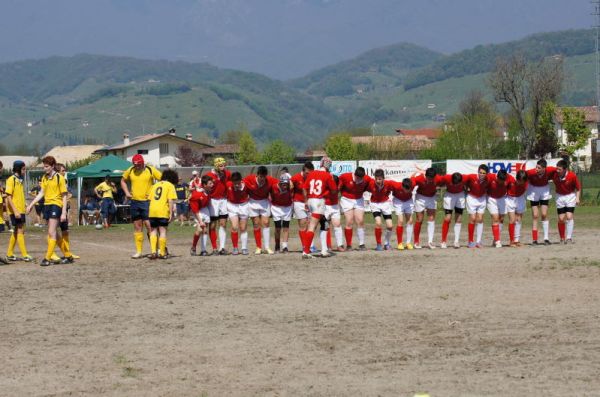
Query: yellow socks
pixel 51 246
pixel 11 245
pixel 138 237
pixel 21 242
pixel 153 240
pixel 162 244
pixel 63 244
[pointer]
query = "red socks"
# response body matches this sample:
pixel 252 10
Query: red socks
pixel 561 230
pixel 328 238
pixel 213 238
pixel 471 232
pixel 234 239
pixel 348 234
pixel 378 235
pixel 308 238
pixel 195 240
pixel 445 228
pixel 417 232
pixel 496 232
pixel 534 235
pixel 258 238
pixel 399 233
pixel 511 232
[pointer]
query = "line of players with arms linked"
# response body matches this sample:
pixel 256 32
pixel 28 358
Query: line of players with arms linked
pixel 317 199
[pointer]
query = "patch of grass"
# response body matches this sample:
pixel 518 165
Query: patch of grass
pixel 573 262
pixel 128 370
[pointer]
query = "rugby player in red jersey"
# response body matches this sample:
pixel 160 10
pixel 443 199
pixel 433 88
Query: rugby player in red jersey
pixel 281 209
pixel 218 204
pixel 237 210
pixel 318 185
pixel 381 207
pixel 568 196
pixel 404 206
pixel 538 194
pixel 259 207
pixel 332 218
pixel 199 202
pixel 352 187
pixel 425 200
pixel 476 185
pixel 454 201
pixel 496 202
pixel 515 205
pixel 300 210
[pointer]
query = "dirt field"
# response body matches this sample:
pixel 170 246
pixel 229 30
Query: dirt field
pixel 507 322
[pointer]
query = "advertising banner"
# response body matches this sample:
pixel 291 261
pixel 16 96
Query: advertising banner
pixel 396 170
pixel 511 166
pixel 339 167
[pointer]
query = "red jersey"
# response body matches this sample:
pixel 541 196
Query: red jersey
pixel 198 199
pixel 514 188
pixel 281 197
pixel 567 184
pixel 425 187
pixel 402 194
pixel 380 194
pixel 537 180
pixel 350 189
pixel 237 196
pixel 476 187
pixel 298 182
pixel 218 191
pixel 495 187
pixel 195 184
pixel 332 199
pixel 319 184
pixel 452 187
pixel 259 192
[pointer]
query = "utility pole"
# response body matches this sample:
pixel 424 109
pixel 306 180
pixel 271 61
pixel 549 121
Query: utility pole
pixel 596 14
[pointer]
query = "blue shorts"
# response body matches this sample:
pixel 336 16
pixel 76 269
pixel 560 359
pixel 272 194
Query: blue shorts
pixel 139 210
pixel 159 222
pixel 17 222
pixel 182 208
pixel 107 207
pixel 52 211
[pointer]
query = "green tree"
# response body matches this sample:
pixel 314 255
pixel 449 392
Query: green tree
pixel 340 147
pixel 277 152
pixel 577 132
pixel 248 153
pixel 546 141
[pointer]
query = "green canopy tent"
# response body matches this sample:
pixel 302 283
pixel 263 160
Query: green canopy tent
pixel 109 165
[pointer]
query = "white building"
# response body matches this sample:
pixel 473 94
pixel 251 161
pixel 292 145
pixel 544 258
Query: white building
pixel 158 149
pixel 592 118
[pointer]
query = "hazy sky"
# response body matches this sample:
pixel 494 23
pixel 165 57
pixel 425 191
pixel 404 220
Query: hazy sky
pixel 279 38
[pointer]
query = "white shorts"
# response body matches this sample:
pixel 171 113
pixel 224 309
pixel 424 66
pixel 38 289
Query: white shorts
pixel 454 200
pixel 217 207
pixel 496 205
pixel 281 213
pixel 403 207
pixel 259 208
pixel 537 193
pixel 316 206
pixel 385 208
pixel 476 205
pixel 515 204
pixel 423 203
pixel 300 211
pixel 239 210
pixel 566 200
pixel 332 212
pixel 204 215
pixel 352 204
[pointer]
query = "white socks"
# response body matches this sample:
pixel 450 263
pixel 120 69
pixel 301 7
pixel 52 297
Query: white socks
pixel 479 231
pixel 244 239
pixel 361 235
pixel 323 236
pixel 266 238
pixel 570 225
pixel 203 241
pixel 409 233
pixel 430 231
pixel 388 234
pixel 517 231
pixel 222 237
pixel 457 227
pixel 339 236
pixel 546 227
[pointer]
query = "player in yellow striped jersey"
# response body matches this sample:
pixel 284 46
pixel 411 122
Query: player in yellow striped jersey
pixel 162 207
pixel 15 204
pixel 141 177
pixel 54 192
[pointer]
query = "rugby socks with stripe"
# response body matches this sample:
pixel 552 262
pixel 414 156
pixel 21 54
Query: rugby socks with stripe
pixel 138 239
